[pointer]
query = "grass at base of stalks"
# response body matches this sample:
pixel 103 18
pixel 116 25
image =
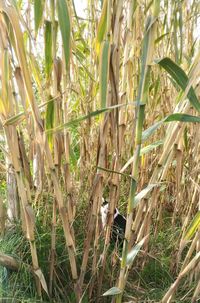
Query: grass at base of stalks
pixel 150 283
pixel 16 286
pixel 145 284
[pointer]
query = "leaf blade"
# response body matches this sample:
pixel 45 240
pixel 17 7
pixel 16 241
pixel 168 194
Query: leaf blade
pixel 150 147
pixel 143 193
pixel 65 28
pixel 49 121
pixel 194 225
pixel 134 251
pixel 104 72
pixel 178 74
pixel 112 292
pixel 171 118
pixel 182 118
pixel 82 118
pixel 101 29
pixel 38 13
pixel 48 48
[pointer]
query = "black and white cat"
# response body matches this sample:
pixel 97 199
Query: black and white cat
pixel 119 223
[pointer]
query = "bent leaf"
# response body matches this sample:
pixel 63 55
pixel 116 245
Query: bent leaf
pixel 114 172
pixel 150 147
pixel 173 117
pixel 182 118
pixel 41 277
pixel 134 251
pixel 21 116
pixel 180 77
pixel 143 151
pixel 149 131
pixel 112 292
pixel 195 224
pixel 143 193
pixel 82 118
pixel 161 37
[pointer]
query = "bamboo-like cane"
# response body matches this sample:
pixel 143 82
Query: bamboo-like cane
pixel 12 15
pixel 148 45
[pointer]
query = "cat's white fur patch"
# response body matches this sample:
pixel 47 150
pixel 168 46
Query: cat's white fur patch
pixel 104 214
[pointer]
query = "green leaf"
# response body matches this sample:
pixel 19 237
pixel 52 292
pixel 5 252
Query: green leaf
pixel 81 58
pixel 37 75
pixel 49 121
pixel 143 84
pixel 21 116
pixel 156 8
pixel 48 48
pixel 134 251
pixel 15 119
pixel 178 74
pixel 143 193
pixel 186 139
pixel 5 78
pixel 10 31
pixel 104 72
pixel 112 292
pixel 160 38
pixel 150 147
pixel 38 13
pixel 65 27
pixel 114 172
pixel 195 224
pixel 149 131
pixel 101 30
pixel 173 117
pixel 82 118
pixel 182 118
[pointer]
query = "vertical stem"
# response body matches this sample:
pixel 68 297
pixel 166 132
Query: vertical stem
pixel 53 248
pixel 148 44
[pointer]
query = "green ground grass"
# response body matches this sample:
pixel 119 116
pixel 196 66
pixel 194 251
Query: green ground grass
pixel 145 284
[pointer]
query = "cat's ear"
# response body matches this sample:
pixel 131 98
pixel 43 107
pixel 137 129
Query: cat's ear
pixel 104 202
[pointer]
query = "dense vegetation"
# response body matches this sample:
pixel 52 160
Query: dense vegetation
pixel 100 105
